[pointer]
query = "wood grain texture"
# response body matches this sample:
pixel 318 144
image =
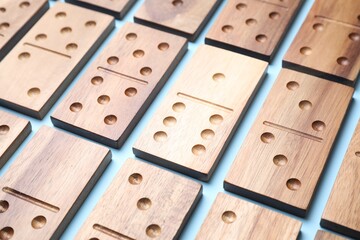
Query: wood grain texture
pixel 182 17
pixel 285 151
pixel 116 8
pixel 192 128
pixel 45 61
pixel 342 212
pixel 16 18
pixel 322 235
pixel 119 86
pixel 328 43
pixel 253 27
pixel 13 131
pixel 236 219
pixel 153 203
pixel 47 183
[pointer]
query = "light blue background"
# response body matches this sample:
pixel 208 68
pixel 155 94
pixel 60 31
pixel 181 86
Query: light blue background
pixel 310 223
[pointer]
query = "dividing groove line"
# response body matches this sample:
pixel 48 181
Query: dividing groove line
pixel 47 50
pixel 278 5
pixel 111 233
pixel 1 35
pixel 293 131
pixel 31 200
pixel 123 76
pixel 337 21
pixel 205 102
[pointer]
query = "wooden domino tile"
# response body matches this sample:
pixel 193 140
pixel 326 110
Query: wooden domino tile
pixel 330 35
pixel 233 218
pixel 47 183
pixel 116 8
pixel 16 18
pixel 182 17
pixel 13 131
pixel 193 126
pixel 46 60
pixel 142 202
pixel 283 156
pixel 253 27
pixel 322 235
pixel 120 84
pixel 341 213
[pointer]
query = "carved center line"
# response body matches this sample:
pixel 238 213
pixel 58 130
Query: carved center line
pixel 31 200
pixel 275 4
pixel 111 233
pixel 48 50
pixel 337 21
pixel 205 102
pixel 293 131
pixel 1 35
pixel 124 76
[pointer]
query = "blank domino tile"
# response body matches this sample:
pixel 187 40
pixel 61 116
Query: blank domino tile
pixel 322 235
pixel 253 27
pixel 16 18
pixel 143 202
pixel 117 8
pixel 233 218
pixel 332 27
pixel 182 17
pixel 342 212
pixel 47 183
pixel 283 156
pixel 120 84
pixel 13 131
pixel 192 128
pixel 39 68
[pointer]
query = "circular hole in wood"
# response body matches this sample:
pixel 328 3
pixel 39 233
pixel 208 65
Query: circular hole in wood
pixel 24 4
pixel 131 36
pixel 305 51
pixel 2 9
pixel 293 184
pixel 250 22
pixel 177 3
pixel 24 56
pixel 138 53
pixel 94 238
pixel 227 28
pixel 66 30
pixel 207 134
pixel 198 150
pixel 40 37
pixel 343 61
pixel 267 137
pixel 76 107
pixel 60 15
pixel 216 119
pixel 113 60
pixel 318 27
pixel 4 129
pixel 90 24
pixel 318 126
pixel 280 160
pixel 38 222
pixel 305 105
pixel 153 230
pixel 135 179
pixel 71 46
pixel 274 15
pixel 33 92
pixel 4 205
pixel 169 121
pixel 292 85
pixel 357 154
pixel 354 36
pixel 241 6
pixel 110 120
pixel 6 233
pixel 228 217
pixel 261 38
pixel 218 77
pixel 145 71
pixel 130 92
pixel 160 136
pixel 103 99
pixel 4 26
pixel 144 204
pixel 97 80
pixel 179 107
pixel 163 46
pixel 358 17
